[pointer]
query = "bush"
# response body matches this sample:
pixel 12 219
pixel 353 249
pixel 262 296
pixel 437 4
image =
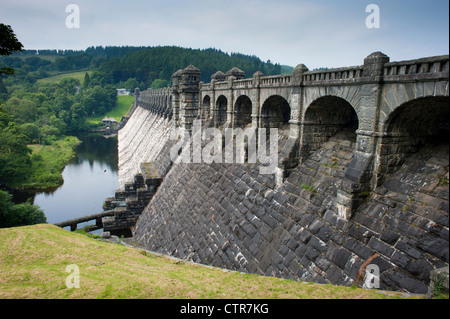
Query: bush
pixel 36 158
pixel 12 215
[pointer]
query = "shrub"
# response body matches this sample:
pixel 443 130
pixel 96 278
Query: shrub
pixel 12 215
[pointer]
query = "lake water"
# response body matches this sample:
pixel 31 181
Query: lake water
pixel 89 179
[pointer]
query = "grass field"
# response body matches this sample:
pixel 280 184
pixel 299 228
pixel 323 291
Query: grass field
pixel 122 107
pixel 34 259
pixel 57 78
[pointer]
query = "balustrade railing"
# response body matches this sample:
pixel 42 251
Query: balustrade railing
pixel 415 67
pixel 333 74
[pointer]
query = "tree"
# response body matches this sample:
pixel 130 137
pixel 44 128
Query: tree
pixel 86 81
pixel 78 121
pixel 3 92
pixel 59 123
pixel 12 215
pixel 8 44
pixel 31 130
pixel 23 110
pixel 69 85
pixel 15 163
pixel 159 83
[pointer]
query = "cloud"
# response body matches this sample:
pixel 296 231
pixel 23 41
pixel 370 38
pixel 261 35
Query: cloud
pixel 317 33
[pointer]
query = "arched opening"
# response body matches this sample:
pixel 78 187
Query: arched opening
pixel 243 111
pixel 221 110
pixel 275 113
pixel 324 118
pixel 415 124
pixel 206 106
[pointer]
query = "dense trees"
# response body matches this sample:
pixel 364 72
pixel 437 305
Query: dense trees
pixel 59 109
pixel 142 67
pixel 159 63
pixel 15 164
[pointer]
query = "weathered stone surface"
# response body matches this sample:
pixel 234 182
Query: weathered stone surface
pixel 439 282
pixel 230 215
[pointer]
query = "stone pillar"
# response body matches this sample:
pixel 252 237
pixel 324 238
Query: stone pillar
pixel 256 98
pixel 137 94
pixel 296 102
pixel 189 97
pixel 212 106
pixel 358 176
pixel 176 79
pixel 230 103
pixel 290 154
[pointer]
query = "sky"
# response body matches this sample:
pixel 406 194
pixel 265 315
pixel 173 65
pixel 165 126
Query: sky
pixel 320 33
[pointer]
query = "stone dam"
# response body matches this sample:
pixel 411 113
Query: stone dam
pixel 362 174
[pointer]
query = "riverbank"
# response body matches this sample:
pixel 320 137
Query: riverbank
pixel 48 162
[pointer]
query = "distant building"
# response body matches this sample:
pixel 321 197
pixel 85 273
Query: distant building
pixel 109 122
pixel 123 92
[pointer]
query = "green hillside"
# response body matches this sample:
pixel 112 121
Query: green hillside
pixel 78 75
pixel 34 259
pixel 122 108
pixel 150 64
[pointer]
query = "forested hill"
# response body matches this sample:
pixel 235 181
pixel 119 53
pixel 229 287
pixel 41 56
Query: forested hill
pixel 150 64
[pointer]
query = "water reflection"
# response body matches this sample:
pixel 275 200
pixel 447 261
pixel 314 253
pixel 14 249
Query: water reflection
pixel 88 179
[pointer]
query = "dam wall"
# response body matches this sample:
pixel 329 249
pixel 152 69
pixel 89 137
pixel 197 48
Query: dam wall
pixel 228 215
pixel 361 182
pixel 141 140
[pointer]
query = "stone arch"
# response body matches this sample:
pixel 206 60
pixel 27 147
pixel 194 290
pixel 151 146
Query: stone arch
pixel 243 111
pixel 324 118
pixel 275 112
pixel 221 110
pixel 206 106
pixel 413 124
pixel 402 93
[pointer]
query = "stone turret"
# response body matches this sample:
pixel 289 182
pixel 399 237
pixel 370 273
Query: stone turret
pixel 219 76
pixel 176 79
pixel 237 73
pixel 189 90
pixel 190 79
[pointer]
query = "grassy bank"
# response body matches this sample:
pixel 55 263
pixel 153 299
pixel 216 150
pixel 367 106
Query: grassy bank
pixel 48 162
pixel 122 108
pixel 33 263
